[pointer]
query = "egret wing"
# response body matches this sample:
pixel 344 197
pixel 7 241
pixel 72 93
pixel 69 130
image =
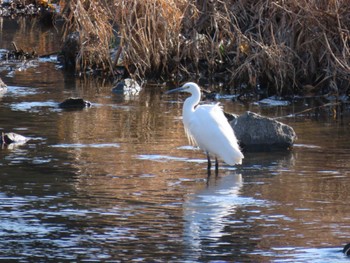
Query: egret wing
pixel 211 131
pixel 190 137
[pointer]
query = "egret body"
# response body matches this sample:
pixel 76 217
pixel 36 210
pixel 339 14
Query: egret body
pixel 207 127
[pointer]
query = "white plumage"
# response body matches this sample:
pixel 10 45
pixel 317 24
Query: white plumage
pixel 207 127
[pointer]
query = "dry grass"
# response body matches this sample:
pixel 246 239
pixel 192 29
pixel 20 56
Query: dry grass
pixel 91 18
pixel 149 32
pixel 282 45
pixel 303 42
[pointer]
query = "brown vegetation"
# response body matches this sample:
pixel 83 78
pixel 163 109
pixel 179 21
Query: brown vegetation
pixel 284 46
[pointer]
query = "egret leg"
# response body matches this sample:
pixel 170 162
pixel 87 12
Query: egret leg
pixel 216 166
pixel 209 162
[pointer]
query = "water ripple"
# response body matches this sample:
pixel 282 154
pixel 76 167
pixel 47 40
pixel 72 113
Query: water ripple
pixel 88 145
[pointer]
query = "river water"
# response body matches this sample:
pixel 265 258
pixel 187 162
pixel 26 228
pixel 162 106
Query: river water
pixel 118 182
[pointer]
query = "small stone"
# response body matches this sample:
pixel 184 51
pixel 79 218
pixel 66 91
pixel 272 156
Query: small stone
pixel 2 84
pixel 74 103
pixel 127 86
pixel 11 137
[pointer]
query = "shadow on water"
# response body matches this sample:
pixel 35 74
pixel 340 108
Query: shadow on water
pixel 118 182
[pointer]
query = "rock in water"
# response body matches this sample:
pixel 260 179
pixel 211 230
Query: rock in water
pixel 2 84
pixel 74 103
pixel 346 249
pixel 3 88
pixel 127 87
pixel 255 133
pixel 11 137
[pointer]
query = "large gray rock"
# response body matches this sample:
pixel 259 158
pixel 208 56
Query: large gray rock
pixel 255 133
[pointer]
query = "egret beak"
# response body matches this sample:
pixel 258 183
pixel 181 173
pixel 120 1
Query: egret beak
pixel 175 90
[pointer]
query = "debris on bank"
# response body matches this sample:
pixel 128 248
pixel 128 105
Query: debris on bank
pixel 13 8
pixel 17 54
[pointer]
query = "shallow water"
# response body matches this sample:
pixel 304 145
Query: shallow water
pixel 118 182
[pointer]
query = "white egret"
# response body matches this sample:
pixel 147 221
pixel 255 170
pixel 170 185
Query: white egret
pixel 207 127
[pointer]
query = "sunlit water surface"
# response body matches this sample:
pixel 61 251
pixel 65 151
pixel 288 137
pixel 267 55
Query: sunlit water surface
pixel 118 182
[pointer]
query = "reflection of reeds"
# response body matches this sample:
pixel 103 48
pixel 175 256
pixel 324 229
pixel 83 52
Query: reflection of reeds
pixel 281 45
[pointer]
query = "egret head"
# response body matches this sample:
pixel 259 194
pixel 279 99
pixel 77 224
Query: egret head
pixel 189 87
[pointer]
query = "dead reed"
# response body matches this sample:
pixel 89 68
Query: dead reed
pixel 283 46
pixel 91 18
pixel 149 32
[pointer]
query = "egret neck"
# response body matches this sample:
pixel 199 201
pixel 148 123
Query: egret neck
pixel 190 105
